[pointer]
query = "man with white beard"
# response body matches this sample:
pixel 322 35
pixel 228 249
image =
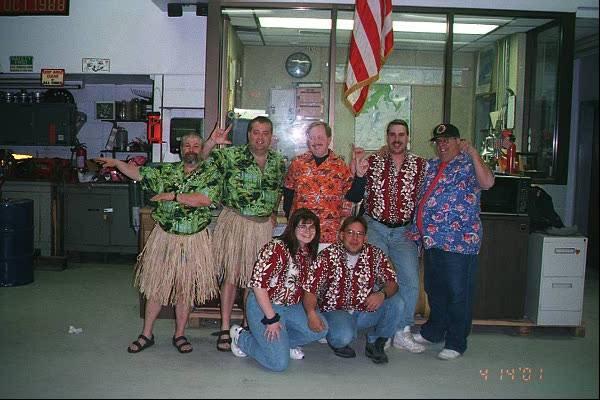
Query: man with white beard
pixel 176 266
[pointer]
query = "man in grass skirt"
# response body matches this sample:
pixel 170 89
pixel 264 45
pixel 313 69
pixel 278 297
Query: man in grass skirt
pixel 176 266
pixel 252 176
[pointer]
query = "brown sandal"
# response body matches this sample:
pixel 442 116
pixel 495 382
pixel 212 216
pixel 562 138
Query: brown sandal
pixel 224 344
pixel 140 347
pixel 181 341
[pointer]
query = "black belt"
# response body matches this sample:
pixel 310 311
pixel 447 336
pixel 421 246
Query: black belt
pixel 395 225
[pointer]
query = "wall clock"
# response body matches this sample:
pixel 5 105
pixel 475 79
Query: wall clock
pixel 298 65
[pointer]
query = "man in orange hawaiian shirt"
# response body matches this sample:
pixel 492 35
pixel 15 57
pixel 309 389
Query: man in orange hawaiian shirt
pixel 321 181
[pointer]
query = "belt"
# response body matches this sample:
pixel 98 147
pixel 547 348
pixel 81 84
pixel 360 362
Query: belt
pixel 398 225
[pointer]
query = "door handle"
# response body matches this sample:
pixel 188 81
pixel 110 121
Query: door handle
pixel 562 285
pixel 564 250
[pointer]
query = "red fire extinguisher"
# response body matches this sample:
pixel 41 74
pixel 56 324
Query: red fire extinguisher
pixel 80 156
pixel 511 152
pixel 154 128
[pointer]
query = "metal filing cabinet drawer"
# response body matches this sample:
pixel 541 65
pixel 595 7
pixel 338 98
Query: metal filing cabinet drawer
pixel 555 279
pixel 561 294
pixel 563 256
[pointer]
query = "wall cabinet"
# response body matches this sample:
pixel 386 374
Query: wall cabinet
pixel 39 124
pixel 502 277
pixel 97 219
pixel 555 279
pixel 46 212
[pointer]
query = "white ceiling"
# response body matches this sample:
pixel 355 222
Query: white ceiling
pixel 246 23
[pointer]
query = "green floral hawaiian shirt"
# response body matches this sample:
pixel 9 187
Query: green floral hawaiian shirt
pixel 170 177
pixel 247 189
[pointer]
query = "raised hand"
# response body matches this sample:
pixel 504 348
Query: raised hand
pixel 359 164
pixel 219 135
pixel 468 148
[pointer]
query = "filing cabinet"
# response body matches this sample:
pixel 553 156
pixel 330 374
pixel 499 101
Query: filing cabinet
pixel 555 279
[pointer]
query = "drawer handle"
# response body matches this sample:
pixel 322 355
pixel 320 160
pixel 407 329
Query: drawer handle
pixel 107 210
pixel 564 250
pixel 562 285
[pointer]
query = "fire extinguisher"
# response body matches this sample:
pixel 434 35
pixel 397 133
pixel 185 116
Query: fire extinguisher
pixel 154 128
pixel 80 156
pixel 511 152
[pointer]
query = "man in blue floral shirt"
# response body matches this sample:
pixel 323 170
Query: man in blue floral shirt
pixel 449 229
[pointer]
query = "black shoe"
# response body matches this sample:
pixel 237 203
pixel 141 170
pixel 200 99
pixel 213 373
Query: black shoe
pixel 344 352
pixel 375 351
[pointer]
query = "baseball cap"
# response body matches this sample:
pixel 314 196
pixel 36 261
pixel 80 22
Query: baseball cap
pixel 445 130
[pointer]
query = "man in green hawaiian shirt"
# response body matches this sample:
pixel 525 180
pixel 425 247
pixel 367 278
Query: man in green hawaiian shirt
pixel 176 266
pixel 253 180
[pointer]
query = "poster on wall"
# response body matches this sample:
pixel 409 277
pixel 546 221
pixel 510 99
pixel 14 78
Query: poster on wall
pixel 385 103
pixel 21 63
pixel 95 65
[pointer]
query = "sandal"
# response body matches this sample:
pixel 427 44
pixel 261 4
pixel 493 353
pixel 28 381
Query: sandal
pixel 140 347
pixel 180 346
pixel 224 344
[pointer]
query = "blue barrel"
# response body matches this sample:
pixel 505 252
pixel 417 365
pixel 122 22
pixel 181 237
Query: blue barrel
pixel 16 242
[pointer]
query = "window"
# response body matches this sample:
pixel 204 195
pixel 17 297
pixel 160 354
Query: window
pixel 498 70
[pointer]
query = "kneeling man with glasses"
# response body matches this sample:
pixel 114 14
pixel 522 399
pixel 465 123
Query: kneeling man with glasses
pixel 353 284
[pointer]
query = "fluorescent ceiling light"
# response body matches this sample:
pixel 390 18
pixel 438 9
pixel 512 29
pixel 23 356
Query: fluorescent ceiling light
pixel 240 11
pixel 399 26
pixel 427 41
pixel 295 23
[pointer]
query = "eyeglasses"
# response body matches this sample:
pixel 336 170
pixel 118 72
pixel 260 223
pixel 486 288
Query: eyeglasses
pixel 306 227
pixel 350 232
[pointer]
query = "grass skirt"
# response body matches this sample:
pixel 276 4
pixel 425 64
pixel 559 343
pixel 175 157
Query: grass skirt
pixel 237 241
pixel 177 269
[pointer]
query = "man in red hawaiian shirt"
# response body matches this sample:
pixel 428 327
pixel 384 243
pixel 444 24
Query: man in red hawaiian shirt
pixel 392 182
pixel 354 285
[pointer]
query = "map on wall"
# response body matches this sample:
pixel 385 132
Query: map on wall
pixel 386 102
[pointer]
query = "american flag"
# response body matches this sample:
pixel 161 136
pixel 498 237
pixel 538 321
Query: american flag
pixel 371 43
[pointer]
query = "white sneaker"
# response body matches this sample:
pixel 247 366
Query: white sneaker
pixel 234 333
pixel 388 344
pixel 447 354
pixel 323 340
pixel 296 353
pixel 404 340
pixel 420 339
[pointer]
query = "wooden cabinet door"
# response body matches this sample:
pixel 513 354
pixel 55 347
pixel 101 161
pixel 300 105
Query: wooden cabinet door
pixel 502 276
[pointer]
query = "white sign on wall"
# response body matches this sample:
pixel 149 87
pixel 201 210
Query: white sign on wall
pixel 95 65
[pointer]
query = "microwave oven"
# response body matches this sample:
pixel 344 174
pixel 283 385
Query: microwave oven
pixel 509 195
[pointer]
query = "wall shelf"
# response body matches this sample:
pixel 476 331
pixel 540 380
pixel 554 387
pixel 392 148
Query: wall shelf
pixel 114 152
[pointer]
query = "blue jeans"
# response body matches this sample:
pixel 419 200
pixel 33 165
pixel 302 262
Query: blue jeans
pixel 450 287
pixel 404 255
pixel 344 327
pixel 275 355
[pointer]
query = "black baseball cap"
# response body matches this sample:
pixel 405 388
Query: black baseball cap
pixel 445 130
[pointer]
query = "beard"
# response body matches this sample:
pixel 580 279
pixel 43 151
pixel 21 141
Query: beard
pixel 191 158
